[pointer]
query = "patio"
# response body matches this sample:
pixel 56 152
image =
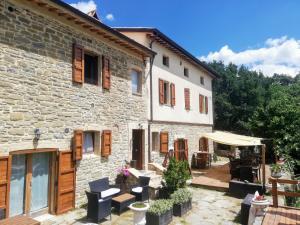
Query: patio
pixel 209 207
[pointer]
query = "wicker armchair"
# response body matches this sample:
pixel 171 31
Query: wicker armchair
pixel 97 208
pixel 141 191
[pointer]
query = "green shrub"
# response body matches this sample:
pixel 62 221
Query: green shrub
pixel 176 175
pixel 160 206
pixel 182 195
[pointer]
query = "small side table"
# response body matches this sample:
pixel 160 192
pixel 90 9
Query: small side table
pixel 122 202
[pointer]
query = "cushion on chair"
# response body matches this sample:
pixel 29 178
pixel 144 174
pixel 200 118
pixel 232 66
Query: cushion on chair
pixel 109 192
pixel 137 189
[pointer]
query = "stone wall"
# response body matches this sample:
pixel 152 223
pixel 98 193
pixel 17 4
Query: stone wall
pixel 37 91
pixel 187 131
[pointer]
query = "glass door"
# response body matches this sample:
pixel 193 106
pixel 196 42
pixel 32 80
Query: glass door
pixel 40 181
pixel 17 185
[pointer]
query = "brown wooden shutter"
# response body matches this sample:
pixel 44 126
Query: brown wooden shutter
pixel 203 144
pixel 105 73
pixel 186 149
pixel 161 92
pixel 77 145
pixel 176 150
pixel 173 101
pixel 5 170
pixel 78 64
pixel 66 182
pixel 106 143
pixel 187 98
pixel 206 105
pixel 164 142
pixel 201 103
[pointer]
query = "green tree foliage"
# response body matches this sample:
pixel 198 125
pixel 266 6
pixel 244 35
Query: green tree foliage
pixel 250 103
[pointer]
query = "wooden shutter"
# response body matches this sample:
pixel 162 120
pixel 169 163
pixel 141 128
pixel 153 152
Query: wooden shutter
pixel 172 87
pixel 77 144
pixel 187 98
pixel 203 144
pixel 5 170
pixel 65 182
pixel 201 103
pixel 161 92
pixel 186 149
pixel 176 150
pixel 78 64
pixel 105 73
pixel 206 105
pixel 106 143
pixel 164 142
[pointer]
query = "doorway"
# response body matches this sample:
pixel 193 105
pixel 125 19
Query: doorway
pixel 138 148
pixel 181 149
pixel 30 183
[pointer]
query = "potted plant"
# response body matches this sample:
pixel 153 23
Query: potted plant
pixel 176 175
pixel 160 212
pixel 139 212
pixel 123 174
pixel 182 201
pixel 276 170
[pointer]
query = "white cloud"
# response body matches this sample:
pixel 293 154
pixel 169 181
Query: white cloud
pixel 279 55
pixel 85 6
pixel 110 17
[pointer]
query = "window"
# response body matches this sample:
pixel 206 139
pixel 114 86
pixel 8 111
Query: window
pixel 166 60
pixel 155 141
pixel 136 82
pixel 166 92
pixel 88 142
pixel 90 69
pixel 186 72
pixel 202 80
pixel 187 98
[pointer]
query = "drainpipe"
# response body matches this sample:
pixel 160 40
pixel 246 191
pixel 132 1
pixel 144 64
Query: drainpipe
pixel 151 104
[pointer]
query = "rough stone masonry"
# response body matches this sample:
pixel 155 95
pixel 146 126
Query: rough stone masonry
pixel 37 91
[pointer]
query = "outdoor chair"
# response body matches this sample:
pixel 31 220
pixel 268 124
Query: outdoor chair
pixel 104 189
pixel 97 208
pixel 141 191
pixel 246 174
pixel 234 168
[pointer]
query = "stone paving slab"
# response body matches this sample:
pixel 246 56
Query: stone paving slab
pixel 209 207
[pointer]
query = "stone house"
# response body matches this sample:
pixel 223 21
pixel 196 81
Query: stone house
pixel 73 105
pixel 180 97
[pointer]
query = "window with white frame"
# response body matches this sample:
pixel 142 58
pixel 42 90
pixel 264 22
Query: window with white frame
pixel 136 82
pixel 88 142
pixel 166 92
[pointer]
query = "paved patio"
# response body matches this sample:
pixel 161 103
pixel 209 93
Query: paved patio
pixel 209 207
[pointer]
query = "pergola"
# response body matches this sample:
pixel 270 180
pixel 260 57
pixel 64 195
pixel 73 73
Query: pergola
pixel 236 140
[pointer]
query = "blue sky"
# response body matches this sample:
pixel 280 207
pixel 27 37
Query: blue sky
pixel 206 27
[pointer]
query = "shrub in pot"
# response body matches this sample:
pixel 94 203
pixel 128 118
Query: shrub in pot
pixel 277 170
pixel 160 212
pixel 176 175
pixel 182 201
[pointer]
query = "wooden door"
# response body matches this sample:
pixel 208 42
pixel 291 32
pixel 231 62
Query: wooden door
pixel 181 149
pixel 203 144
pixel 66 182
pixel 5 169
pixel 138 148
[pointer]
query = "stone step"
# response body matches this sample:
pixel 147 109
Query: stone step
pixel 158 168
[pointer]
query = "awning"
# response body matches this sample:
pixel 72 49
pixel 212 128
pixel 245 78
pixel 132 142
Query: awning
pixel 228 138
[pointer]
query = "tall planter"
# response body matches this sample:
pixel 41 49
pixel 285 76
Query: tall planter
pixel 182 208
pixel 163 219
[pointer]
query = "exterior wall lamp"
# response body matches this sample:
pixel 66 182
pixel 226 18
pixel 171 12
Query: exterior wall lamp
pixel 37 133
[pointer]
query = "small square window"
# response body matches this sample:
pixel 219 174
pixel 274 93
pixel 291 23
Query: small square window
pixel 202 80
pixel 166 61
pixel 90 69
pixel 136 82
pixel 186 72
